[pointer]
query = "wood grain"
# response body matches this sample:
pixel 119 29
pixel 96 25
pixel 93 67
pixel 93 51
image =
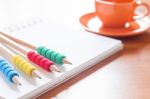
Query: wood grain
pixel 125 75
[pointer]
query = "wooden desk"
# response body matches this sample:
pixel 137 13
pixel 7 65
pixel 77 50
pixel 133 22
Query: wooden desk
pixel 122 76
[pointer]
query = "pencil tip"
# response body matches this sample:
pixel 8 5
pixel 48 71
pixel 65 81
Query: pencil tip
pixel 65 61
pixel 59 71
pixel 70 63
pixel 55 68
pixel 39 77
pixel 16 80
pixel 35 74
pixel 20 84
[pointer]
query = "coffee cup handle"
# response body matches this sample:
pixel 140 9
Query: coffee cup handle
pixel 139 3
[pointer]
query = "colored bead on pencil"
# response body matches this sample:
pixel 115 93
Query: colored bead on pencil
pixel 23 65
pixel 7 70
pixel 51 55
pixel 39 60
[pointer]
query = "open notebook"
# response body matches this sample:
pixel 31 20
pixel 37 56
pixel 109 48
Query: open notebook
pixel 81 48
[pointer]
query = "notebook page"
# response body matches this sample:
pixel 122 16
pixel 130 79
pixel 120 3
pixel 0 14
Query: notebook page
pixel 83 49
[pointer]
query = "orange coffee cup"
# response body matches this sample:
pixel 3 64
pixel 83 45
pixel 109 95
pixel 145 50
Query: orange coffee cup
pixel 116 15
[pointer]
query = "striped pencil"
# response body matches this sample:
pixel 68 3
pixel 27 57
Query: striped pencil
pixel 47 53
pixel 31 55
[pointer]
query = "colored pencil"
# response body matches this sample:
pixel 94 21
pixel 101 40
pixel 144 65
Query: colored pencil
pixel 47 53
pixel 11 75
pixel 31 55
pixel 19 62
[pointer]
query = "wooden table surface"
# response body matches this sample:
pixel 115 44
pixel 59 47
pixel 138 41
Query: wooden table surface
pixel 125 75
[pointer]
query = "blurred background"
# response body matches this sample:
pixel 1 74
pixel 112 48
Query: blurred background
pixel 59 11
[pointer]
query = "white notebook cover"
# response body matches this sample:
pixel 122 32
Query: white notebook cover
pixel 83 49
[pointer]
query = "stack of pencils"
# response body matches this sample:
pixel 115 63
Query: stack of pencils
pixel 41 56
